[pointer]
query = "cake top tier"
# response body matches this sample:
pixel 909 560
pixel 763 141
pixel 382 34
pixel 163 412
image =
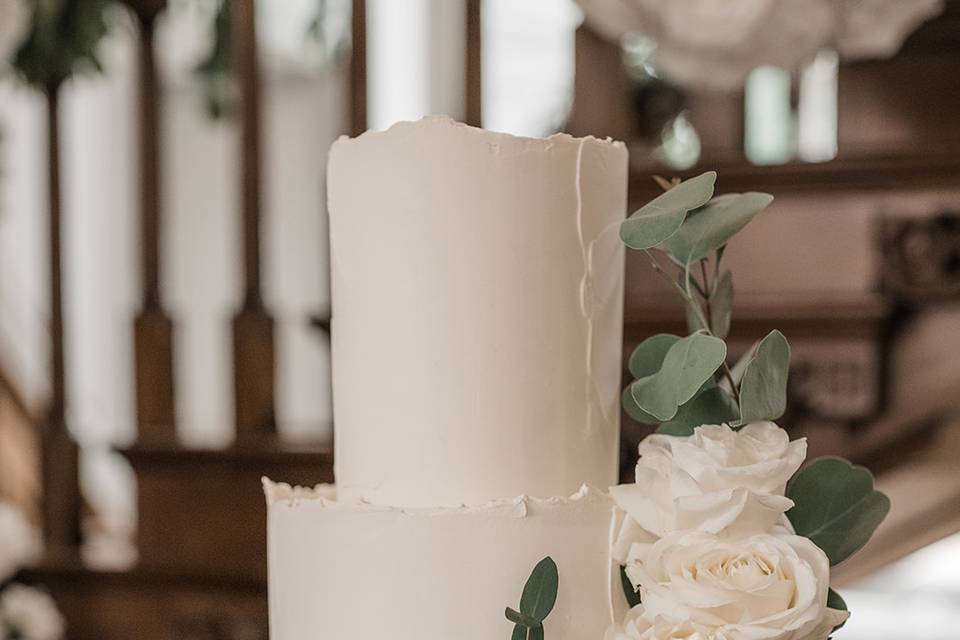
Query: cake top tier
pixel 477 309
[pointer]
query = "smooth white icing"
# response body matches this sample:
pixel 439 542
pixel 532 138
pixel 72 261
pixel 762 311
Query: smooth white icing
pixel 477 306
pixel 354 570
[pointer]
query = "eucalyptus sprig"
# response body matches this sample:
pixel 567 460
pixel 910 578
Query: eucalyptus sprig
pixel 536 602
pixel 683 382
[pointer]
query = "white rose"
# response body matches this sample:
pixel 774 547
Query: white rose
pixel 31 613
pixel 14 22
pixel 639 627
pixel 19 542
pixel 717 479
pixel 762 587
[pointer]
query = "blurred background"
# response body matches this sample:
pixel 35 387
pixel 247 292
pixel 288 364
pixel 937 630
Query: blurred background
pixel 164 300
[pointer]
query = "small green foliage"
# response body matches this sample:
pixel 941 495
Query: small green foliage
pixel 64 39
pixel 836 506
pixel 711 405
pixel 763 390
pixel 688 363
pixel 834 601
pixel 663 216
pixel 633 598
pixel 681 383
pixel 648 357
pixel 712 226
pixel 536 602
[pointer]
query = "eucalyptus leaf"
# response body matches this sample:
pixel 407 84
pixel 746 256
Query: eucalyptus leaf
pixel 763 390
pixel 834 601
pixel 712 226
pixel 540 592
pixel 662 217
pixel 711 405
pixel 694 323
pixel 521 632
pixel 721 305
pixel 689 363
pixel 836 506
pixel 648 357
pixel 633 409
pixel 633 598
pixel 521 618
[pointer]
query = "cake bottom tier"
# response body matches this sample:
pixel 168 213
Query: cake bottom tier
pixel 358 571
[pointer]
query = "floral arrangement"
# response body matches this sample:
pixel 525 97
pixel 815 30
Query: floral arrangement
pixel 724 536
pixel 717 44
pixel 26 613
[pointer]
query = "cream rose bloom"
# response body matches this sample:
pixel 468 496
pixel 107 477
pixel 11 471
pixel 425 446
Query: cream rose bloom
pixel 716 480
pixel 32 613
pixel 761 587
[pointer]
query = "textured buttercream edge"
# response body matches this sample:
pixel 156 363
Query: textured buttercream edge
pixel 324 495
pixel 543 144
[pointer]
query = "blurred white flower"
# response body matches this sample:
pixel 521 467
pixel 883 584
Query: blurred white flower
pixel 31 613
pixel 14 22
pixel 19 542
pixel 717 43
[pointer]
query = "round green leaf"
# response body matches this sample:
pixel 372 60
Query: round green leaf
pixel 711 405
pixel 689 363
pixel 836 506
pixel 540 592
pixel 519 633
pixel 633 409
pixel 648 357
pixel 763 390
pixel 711 227
pixel 662 217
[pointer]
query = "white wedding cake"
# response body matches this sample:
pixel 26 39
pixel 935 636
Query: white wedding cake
pixel 477 284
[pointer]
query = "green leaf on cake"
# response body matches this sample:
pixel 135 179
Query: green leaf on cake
pixel 633 598
pixel 836 506
pixel 648 357
pixel 540 592
pixel 763 389
pixel 711 405
pixel 712 226
pixel 834 601
pixel 688 363
pixel 721 305
pixel 663 216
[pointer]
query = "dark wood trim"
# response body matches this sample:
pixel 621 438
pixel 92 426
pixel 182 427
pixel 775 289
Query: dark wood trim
pixel 358 68
pixel 932 169
pixel 272 453
pixel 474 63
pixel 254 351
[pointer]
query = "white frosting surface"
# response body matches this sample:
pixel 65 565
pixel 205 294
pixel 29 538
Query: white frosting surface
pixel 352 570
pixel 477 285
